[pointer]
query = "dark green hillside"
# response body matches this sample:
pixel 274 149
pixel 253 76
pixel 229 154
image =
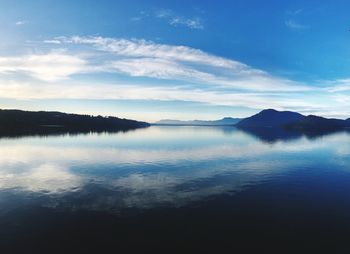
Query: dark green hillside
pixel 18 121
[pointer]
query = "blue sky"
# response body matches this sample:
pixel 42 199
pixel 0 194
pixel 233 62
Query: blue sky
pixel 151 60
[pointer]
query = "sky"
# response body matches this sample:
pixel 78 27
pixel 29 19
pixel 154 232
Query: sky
pixel 152 60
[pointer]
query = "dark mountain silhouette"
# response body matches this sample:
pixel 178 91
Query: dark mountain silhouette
pixel 28 122
pixel 271 125
pixel 317 123
pixel 270 118
pixel 221 122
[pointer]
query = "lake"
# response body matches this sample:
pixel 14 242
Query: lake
pixel 175 189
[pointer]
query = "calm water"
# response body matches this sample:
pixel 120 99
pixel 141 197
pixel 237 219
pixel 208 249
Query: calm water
pixel 175 189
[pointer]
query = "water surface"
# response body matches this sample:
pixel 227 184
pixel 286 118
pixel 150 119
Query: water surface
pixel 175 189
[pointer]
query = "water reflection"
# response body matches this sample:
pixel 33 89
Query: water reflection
pixel 171 166
pixel 271 135
pixel 51 132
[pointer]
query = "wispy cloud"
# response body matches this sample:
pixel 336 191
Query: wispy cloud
pixel 52 41
pixel 140 16
pixel 291 19
pixel 142 58
pixel 295 12
pixel 177 20
pixel 292 24
pixel 340 85
pixel 143 48
pixel 20 23
pixel 191 23
pixel 50 67
pixel 120 91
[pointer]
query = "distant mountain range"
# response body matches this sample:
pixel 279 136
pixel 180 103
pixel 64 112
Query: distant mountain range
pixel 271 125
pixel 42 122
pixel 221 122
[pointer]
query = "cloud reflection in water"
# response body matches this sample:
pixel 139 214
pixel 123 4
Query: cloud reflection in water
pixel 112 172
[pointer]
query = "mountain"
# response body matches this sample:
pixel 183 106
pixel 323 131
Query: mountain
pixel 18 121
pixel 271 121
pixel 223 121
pixel 270 118
pixel 317 123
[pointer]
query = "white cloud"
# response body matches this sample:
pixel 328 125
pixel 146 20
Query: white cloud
pixel 154 67
pixel 340 85
pixel 162 13
pixel 292 24
pixel 100 91
pixel 295 12
pixel 148 59
pixel 52 41
pixel 21 23
pixel 342 99
pixel 176 20
pixel 143 48
pixel 191 23
pixel 48 67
